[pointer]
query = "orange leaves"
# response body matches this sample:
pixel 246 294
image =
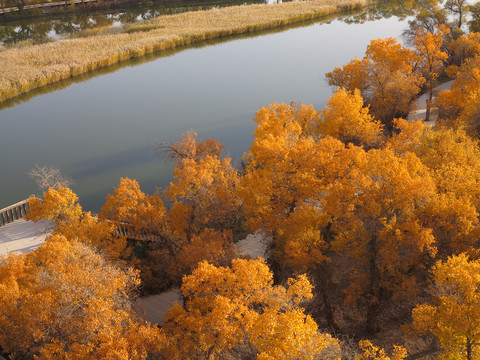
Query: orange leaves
pixel 453 315
pixel 347 120
pixel 209 245
pixel 371 352
pixel 225 306
pixel 129 205
pixel 68 302
pixel 428 46
pixel 385 78
pixel 60 205
pixel 452 159
pixel 204 186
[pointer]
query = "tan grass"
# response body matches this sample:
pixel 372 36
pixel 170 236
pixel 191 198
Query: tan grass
pixel 27 68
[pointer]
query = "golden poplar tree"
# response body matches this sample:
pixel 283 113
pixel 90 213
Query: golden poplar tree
pixel 65 301
pixel 385 77
pixel 61 207
pixel 226 307
pixel 454 313
pixel 428 47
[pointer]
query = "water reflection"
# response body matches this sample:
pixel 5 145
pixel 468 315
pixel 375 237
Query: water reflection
pixel 102 129
pixel 385 9
pixel 55 27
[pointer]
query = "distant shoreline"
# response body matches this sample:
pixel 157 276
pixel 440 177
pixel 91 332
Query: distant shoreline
pixel 27 68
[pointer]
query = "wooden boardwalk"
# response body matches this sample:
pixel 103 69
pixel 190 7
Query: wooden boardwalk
pixel 23 236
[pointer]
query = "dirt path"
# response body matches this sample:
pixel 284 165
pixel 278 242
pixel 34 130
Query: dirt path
pixel 419 107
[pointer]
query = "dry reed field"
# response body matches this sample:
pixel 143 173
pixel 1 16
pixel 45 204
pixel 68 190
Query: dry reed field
pixel 27 68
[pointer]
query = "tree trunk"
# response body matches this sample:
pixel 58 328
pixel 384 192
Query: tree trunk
pixel 373 293
pixel 469 349
pixel 429 101
pixel 324 276
pixel 324 281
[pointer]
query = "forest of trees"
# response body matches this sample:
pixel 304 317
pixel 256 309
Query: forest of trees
pixel 372 223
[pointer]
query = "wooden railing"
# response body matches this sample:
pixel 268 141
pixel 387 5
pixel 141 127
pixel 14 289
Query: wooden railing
pixel 127 230
pixel 14 212
pixel 21 209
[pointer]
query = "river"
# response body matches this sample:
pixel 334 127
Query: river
pixel 103 126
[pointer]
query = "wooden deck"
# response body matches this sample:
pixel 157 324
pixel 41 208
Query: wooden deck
pixel 23 236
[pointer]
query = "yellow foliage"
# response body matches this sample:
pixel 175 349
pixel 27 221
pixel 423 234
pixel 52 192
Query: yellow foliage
pixel 203 193
pixel 454 315
pixel 225 306
pixel 61 207
pixel 453 160
pixel 64 301
pixel 372 352
pixel 347 120
pixel 466 46
pixel 385 78
pixel 128 204
pixel 377 219
pixel 210 245
pixel 58 205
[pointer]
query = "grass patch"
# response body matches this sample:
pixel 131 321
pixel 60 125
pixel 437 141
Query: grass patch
pixel 24 69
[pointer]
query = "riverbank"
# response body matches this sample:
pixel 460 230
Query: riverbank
pixel 31 67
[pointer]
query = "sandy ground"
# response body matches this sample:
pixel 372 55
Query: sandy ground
pixel 23 236
pixel 419 107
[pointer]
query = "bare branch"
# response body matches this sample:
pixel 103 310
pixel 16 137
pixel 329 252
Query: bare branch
pixel 49 177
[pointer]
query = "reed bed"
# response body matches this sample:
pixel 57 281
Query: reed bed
pixel 27 68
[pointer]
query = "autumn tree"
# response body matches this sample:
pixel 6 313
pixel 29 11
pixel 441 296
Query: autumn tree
pixel 61 207
pixel 426 18
pixel 376 215
pixel 459 9
pixel 203 190
pixel 462 48
pixel 453 160
pixel 453 315
pixel 169 254
pixel 141 213
pixel 228 306
pixel 458 106
pixel 320 198
pixel 289 165
pixel 428 47
pixel 65 301
pixel 385 76
pixel 346 119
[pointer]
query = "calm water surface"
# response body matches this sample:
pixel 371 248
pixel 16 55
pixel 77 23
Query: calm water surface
pixel 59 25
pixel 99 130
